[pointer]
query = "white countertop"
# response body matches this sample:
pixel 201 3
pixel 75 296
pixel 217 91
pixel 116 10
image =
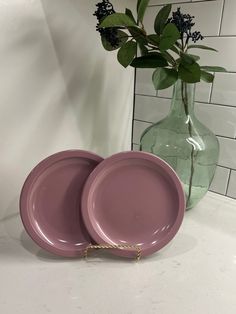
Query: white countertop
pixel 195 273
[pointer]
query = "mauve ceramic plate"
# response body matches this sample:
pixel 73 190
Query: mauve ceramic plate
pixel 133 198
pixel 50 202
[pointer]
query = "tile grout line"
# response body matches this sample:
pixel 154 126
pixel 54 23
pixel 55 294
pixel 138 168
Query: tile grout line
pixel 221 36
pixel 134 107
pixel 227 187
pixel 233 198
pixel 211 91
pixel 230 72
pixel 225 136
pixel 153 96
pixel 150 122
pixel 215 104
pixel 197 101
pixel 224 167
pixel 145 121
pixel 184 2
pixel 222 13
pixel 216 192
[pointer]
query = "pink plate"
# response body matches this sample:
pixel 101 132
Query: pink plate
pixel 133 198
pixel 50 202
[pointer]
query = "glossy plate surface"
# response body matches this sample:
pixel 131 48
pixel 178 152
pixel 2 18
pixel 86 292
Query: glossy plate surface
pixel 50 202
pixel 133 198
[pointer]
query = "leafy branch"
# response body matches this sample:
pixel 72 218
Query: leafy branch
pixel 166 50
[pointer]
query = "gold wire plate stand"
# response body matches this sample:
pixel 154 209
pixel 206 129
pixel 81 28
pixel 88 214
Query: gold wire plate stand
pixel 104 247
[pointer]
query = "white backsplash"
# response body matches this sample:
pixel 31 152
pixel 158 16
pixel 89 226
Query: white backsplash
pixel 215 103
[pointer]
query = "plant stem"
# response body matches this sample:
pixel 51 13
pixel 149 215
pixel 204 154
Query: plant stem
pixel 186 43
pixel 185 101
pixel 182 43
pixel 143 28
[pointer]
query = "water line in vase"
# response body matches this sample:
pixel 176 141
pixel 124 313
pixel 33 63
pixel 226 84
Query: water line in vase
pixel 185 101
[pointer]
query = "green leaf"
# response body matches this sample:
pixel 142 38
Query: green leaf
pixel 153 39
pixel 142 9
pixel 194 57
pixel 202 47
pixel 161 19
pixel 138 35
pixel 117 19
pixel 143 49
pixel 169 36
pixel 152 60
pixel 188 58
pixel 138 4
pixel 106 44
pixel 207 77
pixel 123 37
pixel 127 53
pixel 213 69
pixel 129 13
pixel 189 73
pixel 163 78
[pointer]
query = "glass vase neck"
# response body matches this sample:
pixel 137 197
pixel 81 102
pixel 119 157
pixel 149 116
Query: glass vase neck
pixel 182 104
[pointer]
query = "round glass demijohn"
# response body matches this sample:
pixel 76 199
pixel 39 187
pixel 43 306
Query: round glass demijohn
pixel 185 144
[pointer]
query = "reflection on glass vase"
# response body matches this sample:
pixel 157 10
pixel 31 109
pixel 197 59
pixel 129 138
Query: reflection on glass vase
pixel 184 143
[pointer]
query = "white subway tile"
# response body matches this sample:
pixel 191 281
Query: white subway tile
pixel 151 109
pixel 219 183
pixel 232 185
pixel 225 56
pixel 227 152
pixel 220 119
pixel 144 83
pixel 224 89
pixel 139 127
pixel 203 91
pixel 229 20
pixel 202 11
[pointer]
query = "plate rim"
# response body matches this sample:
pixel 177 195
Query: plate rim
pixel 99 170
pixel 25 193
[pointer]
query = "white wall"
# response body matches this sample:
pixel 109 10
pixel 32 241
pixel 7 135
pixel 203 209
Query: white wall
pixel 59 89
pixel 215 103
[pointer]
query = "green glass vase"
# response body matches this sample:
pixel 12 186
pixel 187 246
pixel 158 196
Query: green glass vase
pixel 188 146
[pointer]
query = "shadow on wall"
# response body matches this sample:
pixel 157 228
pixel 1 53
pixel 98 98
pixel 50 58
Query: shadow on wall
pixel 59 88
pixel 31 109
pixel 84 68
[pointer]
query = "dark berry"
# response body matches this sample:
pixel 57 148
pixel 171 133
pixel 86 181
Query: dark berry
pixel 104 9
pixel 184 23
